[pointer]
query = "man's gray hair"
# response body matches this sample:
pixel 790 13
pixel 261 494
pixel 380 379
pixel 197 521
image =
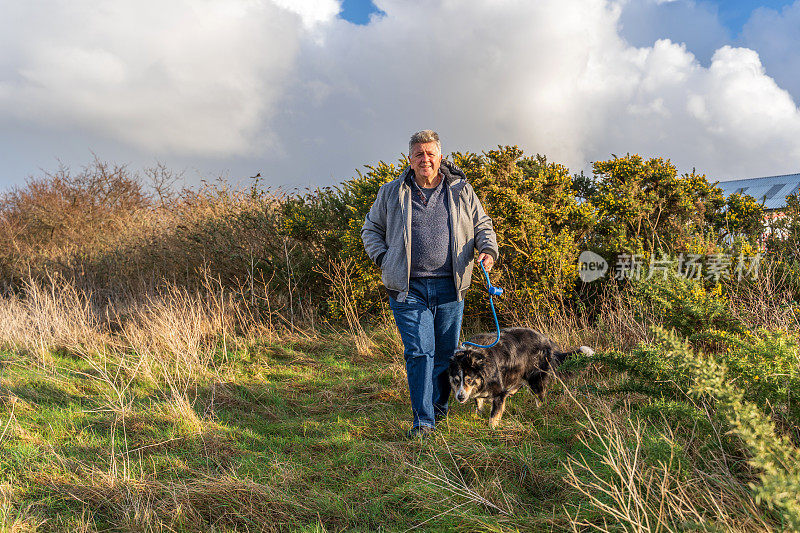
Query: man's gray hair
pixel 424 136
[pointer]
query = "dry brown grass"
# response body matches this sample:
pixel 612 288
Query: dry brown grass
pixel 765 302
pixel 175 340
pixel 173 336
pixel 48 317
pixel 145 504
pixel 451 478
pixel 176 335
pixel 340 276
pixel 633 492
pixel 617 326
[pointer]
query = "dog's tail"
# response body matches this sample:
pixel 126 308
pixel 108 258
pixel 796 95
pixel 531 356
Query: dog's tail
pixel 585 350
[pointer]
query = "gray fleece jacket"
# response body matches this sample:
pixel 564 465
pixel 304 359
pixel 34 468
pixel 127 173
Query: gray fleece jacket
pixel 387 231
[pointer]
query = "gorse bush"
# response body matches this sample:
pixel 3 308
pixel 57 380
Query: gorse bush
pixel 539 225
pixel 327 224
pixel 645 206
pixel 765 365
pixel 106 230
pixel 535 213
pixel 773 455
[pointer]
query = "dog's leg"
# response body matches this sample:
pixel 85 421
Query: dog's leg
pixel 498 406
pixel 479 403
pixel 537 385
pixel 540 397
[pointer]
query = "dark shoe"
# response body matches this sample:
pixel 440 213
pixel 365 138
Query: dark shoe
pixel 421 432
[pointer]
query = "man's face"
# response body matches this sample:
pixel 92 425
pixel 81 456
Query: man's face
pixel 425 159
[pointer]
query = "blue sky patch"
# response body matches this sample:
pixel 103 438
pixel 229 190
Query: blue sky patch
pixel 734 13
pixel 358 11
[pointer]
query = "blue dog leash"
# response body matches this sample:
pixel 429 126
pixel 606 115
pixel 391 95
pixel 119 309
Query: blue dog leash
pixel 493 291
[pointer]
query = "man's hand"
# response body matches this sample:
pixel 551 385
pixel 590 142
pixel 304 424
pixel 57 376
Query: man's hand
pixel 487 260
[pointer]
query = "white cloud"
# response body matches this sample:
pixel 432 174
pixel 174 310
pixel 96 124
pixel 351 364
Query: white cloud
pixel 182 76
pixel 312 12
pixel 555 77
pixel 308 97
pixel 729 119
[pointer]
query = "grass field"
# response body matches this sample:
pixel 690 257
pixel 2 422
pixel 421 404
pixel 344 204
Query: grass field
pixel 294 433
pixel 197 360
pixel 181 413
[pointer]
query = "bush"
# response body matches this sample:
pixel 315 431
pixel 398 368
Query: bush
pixel 539 225
pixel 327 223
pixel 108 233
pixel 684 304
pixel 57 220
pixel 643 205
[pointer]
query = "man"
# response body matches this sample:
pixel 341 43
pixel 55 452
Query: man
pixel 423 231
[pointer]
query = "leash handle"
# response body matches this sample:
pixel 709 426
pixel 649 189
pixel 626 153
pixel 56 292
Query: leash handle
pixel 493 291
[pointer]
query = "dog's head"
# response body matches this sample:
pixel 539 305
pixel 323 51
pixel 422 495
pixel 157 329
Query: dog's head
pixel 466 373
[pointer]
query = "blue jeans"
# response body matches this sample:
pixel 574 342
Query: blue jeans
pixel 429 322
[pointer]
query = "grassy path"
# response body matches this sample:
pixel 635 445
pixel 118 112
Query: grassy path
pixel 291 435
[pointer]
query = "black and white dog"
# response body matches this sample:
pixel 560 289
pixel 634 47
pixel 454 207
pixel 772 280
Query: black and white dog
pixel 520 356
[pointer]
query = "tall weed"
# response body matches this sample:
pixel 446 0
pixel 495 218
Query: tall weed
pixel 50 316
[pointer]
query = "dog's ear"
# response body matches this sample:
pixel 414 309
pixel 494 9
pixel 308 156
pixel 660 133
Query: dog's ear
pixel 474 361
pixel 478 357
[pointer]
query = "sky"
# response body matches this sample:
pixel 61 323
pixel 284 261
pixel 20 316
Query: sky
pixel 305 92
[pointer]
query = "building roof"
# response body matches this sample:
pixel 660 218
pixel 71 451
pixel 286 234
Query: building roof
pixel 772 190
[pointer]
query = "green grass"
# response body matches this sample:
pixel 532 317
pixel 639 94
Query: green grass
pixel 289 435
pixel 297 434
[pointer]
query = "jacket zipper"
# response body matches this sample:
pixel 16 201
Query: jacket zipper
pixel 406 228
pixel 453 228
